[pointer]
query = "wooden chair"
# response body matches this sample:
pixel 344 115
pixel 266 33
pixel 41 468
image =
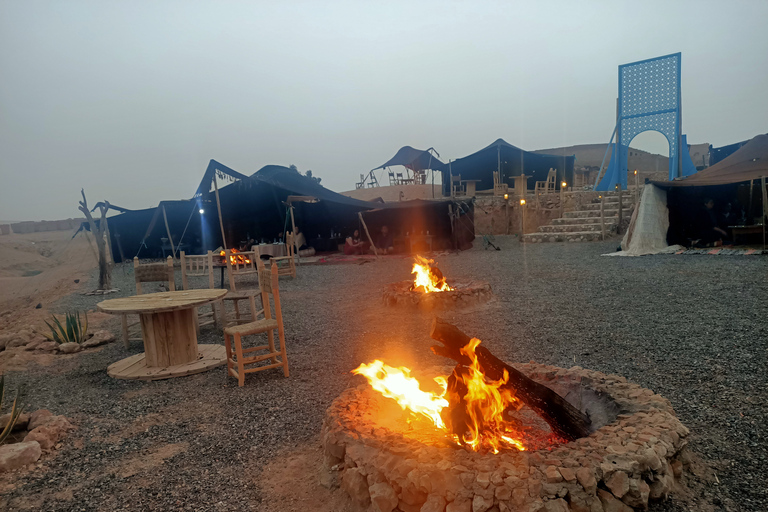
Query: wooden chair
pixel 245 263
pixel 457 189
pixel 192 266
pixel 547 186
pixel 147 273
pixel 392 179
pixel 238 358
pixel 290 268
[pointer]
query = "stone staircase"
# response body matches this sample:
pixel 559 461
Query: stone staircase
pixel 583 225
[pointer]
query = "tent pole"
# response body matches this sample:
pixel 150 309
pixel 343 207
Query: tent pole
pixel 218 207
pixel 168 231
pixel 599 171
pixel 293 226
pixel 365 227
pixel 765 206
pixel 751 187
pixel 109 241
pixel 194 206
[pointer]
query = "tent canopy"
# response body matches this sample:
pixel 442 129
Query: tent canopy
pixel 413 159
pixel 511 161
pixel 750 162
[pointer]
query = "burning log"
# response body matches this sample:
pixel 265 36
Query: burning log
pixel 565 420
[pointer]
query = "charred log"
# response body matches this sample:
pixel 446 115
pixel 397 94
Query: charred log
pixel 565 420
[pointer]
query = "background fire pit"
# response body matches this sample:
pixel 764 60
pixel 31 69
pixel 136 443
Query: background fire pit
pixel 465 293
pixel 384 456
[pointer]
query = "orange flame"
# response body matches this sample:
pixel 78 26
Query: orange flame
pixel 483 401
pixel 235 258
pixel 428 278
pixel 397 383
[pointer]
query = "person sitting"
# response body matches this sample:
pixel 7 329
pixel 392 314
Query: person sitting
pixel 710 232
pixel 354 245
pixel 385 243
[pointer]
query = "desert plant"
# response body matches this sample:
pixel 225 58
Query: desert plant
pixel 72 331
pixel 15 410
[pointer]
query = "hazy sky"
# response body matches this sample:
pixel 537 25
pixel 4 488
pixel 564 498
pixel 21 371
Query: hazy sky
pixel 132 99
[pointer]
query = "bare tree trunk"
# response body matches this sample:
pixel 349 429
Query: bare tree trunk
pixel 105 269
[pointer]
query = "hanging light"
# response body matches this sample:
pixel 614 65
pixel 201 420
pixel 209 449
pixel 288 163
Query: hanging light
pixel 522 202
pixel 506 196
pixel 201 211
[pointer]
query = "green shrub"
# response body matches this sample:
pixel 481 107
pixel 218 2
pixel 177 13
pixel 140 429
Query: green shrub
pixel 72 331
pixel 15 410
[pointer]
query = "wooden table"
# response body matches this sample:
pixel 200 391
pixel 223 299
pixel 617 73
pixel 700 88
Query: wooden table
pixel 745 230
pixel 168 328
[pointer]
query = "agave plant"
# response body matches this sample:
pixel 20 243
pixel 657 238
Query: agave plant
pixel 72 331
pixel 15 410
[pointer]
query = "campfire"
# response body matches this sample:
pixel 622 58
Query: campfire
pixel 491 436
pixel 430 290
pixel 473 411
pixel 428 278
pixel 235 258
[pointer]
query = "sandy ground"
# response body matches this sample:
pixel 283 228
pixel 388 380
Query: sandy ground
pixel 40 268
pixel 692 328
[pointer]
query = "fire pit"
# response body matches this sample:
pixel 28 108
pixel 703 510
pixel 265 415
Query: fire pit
pixel 430 290
pixel 397 457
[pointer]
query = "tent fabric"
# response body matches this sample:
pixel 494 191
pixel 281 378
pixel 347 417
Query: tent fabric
pixel 413 159
pixel 647 233
pixel 511 160
pixel 210 172
pixel 748 163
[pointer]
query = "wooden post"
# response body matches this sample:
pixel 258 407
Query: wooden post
pixel 602 216
pixel 218 207
pixel 110 256
pixel 637 190
pixel 562 198
pixel 765 206
pixel 293 227
pixel 168 232
pixel 365 227
pixel 621 208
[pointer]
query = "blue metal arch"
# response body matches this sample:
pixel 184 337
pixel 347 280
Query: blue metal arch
pixel 649 99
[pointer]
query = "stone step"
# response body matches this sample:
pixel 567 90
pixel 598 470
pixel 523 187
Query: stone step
pixel 580 214
pixel 577 236
pixel 585 220
pixel 576 228
pixel 596 206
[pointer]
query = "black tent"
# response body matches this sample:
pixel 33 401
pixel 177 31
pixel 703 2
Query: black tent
pixel 413 159
pixel 510 161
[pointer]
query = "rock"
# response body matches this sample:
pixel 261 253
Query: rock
pixel 618 484
pixel 661 488
pixel 383 497
pixel 48 346
pixel 49 433
pixel 16 455
pixel 480 504
pixel 39 305
pixel 356 486
pixel 553 475
pixel 4 341
pixel 677 468
pixel 69 348
pixel 558 505
pixel 586 478
pixel 329 479
pixel 568 474
pixel 16 342
pixel 637 497
pixel 434 503
pixel 77 281
pixel 610 503
pixel 21 422
pixel 459 505
pixel 99 338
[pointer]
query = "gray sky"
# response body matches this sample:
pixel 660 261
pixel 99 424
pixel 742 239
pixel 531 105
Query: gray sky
pixel 132 99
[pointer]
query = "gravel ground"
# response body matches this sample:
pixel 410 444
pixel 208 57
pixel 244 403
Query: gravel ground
pixel 692 328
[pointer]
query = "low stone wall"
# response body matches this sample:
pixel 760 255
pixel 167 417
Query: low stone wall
pixel 633 459
pixel 5 229
pixel 43 225
pixel 495 216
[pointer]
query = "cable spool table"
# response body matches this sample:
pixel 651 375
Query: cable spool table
pixel 169 331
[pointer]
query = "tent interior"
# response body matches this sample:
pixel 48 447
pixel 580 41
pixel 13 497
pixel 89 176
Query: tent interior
pixel 450 224
pixel 673 212
pixel 511 161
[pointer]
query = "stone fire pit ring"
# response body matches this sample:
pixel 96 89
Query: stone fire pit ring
pixel 466 293
pixel 633 458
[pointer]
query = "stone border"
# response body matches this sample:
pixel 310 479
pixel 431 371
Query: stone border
pixel 466 293
pixel 621 465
